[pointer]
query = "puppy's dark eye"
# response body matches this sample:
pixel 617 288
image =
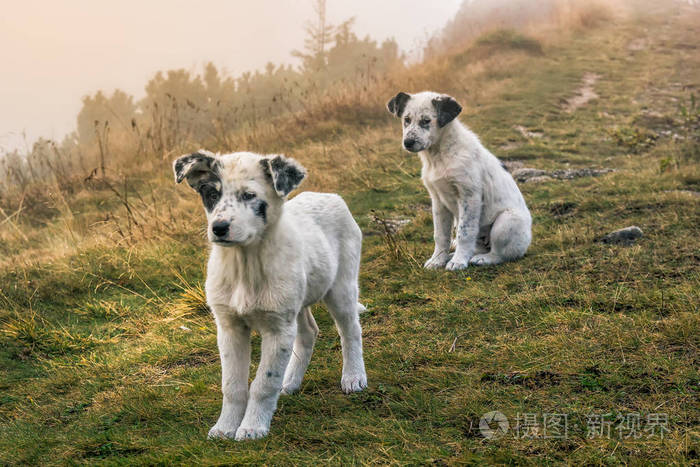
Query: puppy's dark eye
pixel 247 196
pixel 425 121
pixel 214 195
pixel 407 120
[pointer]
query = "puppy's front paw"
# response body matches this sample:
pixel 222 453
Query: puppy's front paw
pixel 245 433
pixel 220 432
pixel 456 264
pixel 353 383
pixel 437 261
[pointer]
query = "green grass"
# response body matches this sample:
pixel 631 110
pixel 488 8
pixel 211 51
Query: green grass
pixel 499 41
pixel 95 367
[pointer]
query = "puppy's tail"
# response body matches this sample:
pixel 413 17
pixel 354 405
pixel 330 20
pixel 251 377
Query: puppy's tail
pixel 361 308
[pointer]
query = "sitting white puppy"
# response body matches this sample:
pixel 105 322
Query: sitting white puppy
pixel 270 261
pixel 469 187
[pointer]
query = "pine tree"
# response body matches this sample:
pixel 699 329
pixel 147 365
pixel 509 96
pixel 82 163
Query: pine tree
pixel 319 34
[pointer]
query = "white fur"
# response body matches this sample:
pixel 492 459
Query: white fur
pixel 469 189
pixel 307 251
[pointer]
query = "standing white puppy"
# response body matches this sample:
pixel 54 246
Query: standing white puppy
pixel 469 187
pixel 270 261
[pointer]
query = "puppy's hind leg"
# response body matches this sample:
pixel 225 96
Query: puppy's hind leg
pixel 511 234
pixel 307 331
pixel 481 242
pixel 343 306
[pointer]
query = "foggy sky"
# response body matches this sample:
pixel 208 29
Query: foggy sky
pixel 54 52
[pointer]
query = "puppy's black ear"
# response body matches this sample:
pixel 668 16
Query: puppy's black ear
pixel 397 104
pixel 447 109
pixel 194 167
pixel 285 173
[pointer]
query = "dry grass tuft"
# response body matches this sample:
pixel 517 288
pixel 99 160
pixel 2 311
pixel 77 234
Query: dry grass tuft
pixel 191 300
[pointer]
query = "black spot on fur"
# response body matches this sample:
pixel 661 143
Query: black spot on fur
pixel 397 104
pixel 251 200
pixel 287 174
pixel 269 374
pixel 208 191
pixel 447 109
pixel 261 210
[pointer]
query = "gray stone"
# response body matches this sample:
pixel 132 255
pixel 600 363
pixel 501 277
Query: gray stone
pixel 526 173
pixel 530 175
pixel 512 166
pixel 570 174
pixel 539 179
pixel 626 236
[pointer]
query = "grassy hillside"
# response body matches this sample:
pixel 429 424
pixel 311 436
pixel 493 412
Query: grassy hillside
pixel 108 354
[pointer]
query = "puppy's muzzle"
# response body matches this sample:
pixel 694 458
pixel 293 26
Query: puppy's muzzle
pixel 410 144
pixel 220 228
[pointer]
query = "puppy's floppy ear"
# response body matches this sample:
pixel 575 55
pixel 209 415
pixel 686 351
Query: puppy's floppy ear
pixel 284 172
pixel 447 109
pixel 397 104
pixel 194 167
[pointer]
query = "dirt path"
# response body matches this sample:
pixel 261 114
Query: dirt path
pixel 584 94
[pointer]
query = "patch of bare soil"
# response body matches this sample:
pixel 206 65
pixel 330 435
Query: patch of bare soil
pixel 527 133
pixel 584 94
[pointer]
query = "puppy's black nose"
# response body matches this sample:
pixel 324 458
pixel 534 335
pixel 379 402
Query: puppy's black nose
pixel 409 142
pixel 220 228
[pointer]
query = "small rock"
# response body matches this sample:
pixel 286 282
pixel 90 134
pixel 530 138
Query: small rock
pixel 626 236
pixel 569 174
pixel 185 328
pixel 539 179
pixel 525 173
pixel 529 175
pixel 511 166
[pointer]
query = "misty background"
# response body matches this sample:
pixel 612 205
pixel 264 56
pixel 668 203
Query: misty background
pixel 55 53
